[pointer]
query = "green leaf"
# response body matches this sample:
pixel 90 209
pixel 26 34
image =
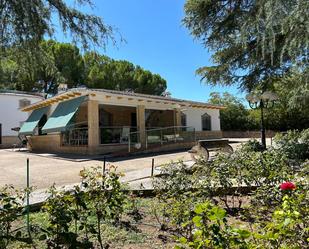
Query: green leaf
pixel 199 209
pixel 217 213
pixel 183 240
pixel 197 220
pixel 43 237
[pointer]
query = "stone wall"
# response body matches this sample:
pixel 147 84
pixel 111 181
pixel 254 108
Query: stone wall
pixel 208 134
pixel 52 144
pixel 9 141
pixel 246 134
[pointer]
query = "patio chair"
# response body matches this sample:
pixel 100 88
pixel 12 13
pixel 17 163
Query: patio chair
pixel 22 143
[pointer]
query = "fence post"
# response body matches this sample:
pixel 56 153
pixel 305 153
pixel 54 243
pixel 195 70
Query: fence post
pixel 27 199
pixel 104 164
pixel 129 143
pixel 152 167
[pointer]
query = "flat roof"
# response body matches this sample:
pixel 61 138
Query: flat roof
pixel 21 93
pixel 75 92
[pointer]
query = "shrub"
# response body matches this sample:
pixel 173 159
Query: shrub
pixel 294 144
pixel 74 216
pixel 211 230
pixel 288 227
pixel 11 208
pixel 252 145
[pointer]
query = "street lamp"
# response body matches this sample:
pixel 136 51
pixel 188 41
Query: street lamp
pixel 260 101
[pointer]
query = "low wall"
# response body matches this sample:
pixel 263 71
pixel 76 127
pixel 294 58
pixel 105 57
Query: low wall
pixel 246 134
pixel 199 135
pixel 52 144
pixel 169 147
pixel 9 141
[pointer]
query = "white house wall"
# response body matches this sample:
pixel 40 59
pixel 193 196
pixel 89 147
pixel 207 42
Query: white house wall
pixel 10 115
pixel 194 118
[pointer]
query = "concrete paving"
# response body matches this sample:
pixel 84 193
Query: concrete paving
pixel 47 169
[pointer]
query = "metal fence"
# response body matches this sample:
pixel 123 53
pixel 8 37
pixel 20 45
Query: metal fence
pixel 161 136
pixel 75 137
pixel 115 134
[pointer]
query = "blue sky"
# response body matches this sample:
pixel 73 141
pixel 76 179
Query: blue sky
pixel 157 41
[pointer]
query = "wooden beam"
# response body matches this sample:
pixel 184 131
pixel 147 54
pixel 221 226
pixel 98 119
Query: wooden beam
pixel 108 97
pixel 140 100
pixel 93 94
pixel 77 93
pixel 130 98
pixel 119 97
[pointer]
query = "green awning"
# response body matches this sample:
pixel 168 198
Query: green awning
pixel 29 125
pixel 62 115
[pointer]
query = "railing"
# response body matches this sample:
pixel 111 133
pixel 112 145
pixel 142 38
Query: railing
pixel 163 135
pixel 115 134
pixel 75 137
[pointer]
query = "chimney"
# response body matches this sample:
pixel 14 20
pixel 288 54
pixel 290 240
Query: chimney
pixel 62 88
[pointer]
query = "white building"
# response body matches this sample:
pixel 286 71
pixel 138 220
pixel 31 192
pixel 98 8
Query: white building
pixel 11 116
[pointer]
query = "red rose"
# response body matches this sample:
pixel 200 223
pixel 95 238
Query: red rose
pixel 287 186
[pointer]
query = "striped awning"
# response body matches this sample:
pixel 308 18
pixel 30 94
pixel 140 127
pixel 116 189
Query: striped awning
pixel 31 123
pixel 62 115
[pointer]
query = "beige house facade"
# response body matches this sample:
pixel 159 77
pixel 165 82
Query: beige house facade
pixel 99 121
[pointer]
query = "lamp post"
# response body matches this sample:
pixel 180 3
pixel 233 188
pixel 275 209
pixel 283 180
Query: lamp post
pixel 258 100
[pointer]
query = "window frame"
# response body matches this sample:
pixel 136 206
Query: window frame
pixel 206 115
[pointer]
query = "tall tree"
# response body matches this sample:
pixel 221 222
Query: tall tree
pixel 42 69
pixel 104 72
pixel 22 22
pixel 253 41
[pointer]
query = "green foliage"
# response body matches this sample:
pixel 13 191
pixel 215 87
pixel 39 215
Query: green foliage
pixel 174 194
pixel 211 230
pixel 254 42
pixel 104 72
pixel 284 115
pixel 11 209
pixel 100 201
pixel 252 145
pixel 61 215
pixel 294 144
pixel 202 206
pixel 52 63
pixel 22 22
pixel 288 227
pixel 235 116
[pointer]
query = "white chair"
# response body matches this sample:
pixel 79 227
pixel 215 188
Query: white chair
pixel 125 135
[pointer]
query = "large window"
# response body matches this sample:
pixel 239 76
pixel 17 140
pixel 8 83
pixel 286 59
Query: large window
pixel 206 122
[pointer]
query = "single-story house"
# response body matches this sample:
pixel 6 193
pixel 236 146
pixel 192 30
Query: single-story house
pixel 99 121
pixel 11 116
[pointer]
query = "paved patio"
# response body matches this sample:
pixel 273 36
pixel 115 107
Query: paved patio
pixel 47 169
